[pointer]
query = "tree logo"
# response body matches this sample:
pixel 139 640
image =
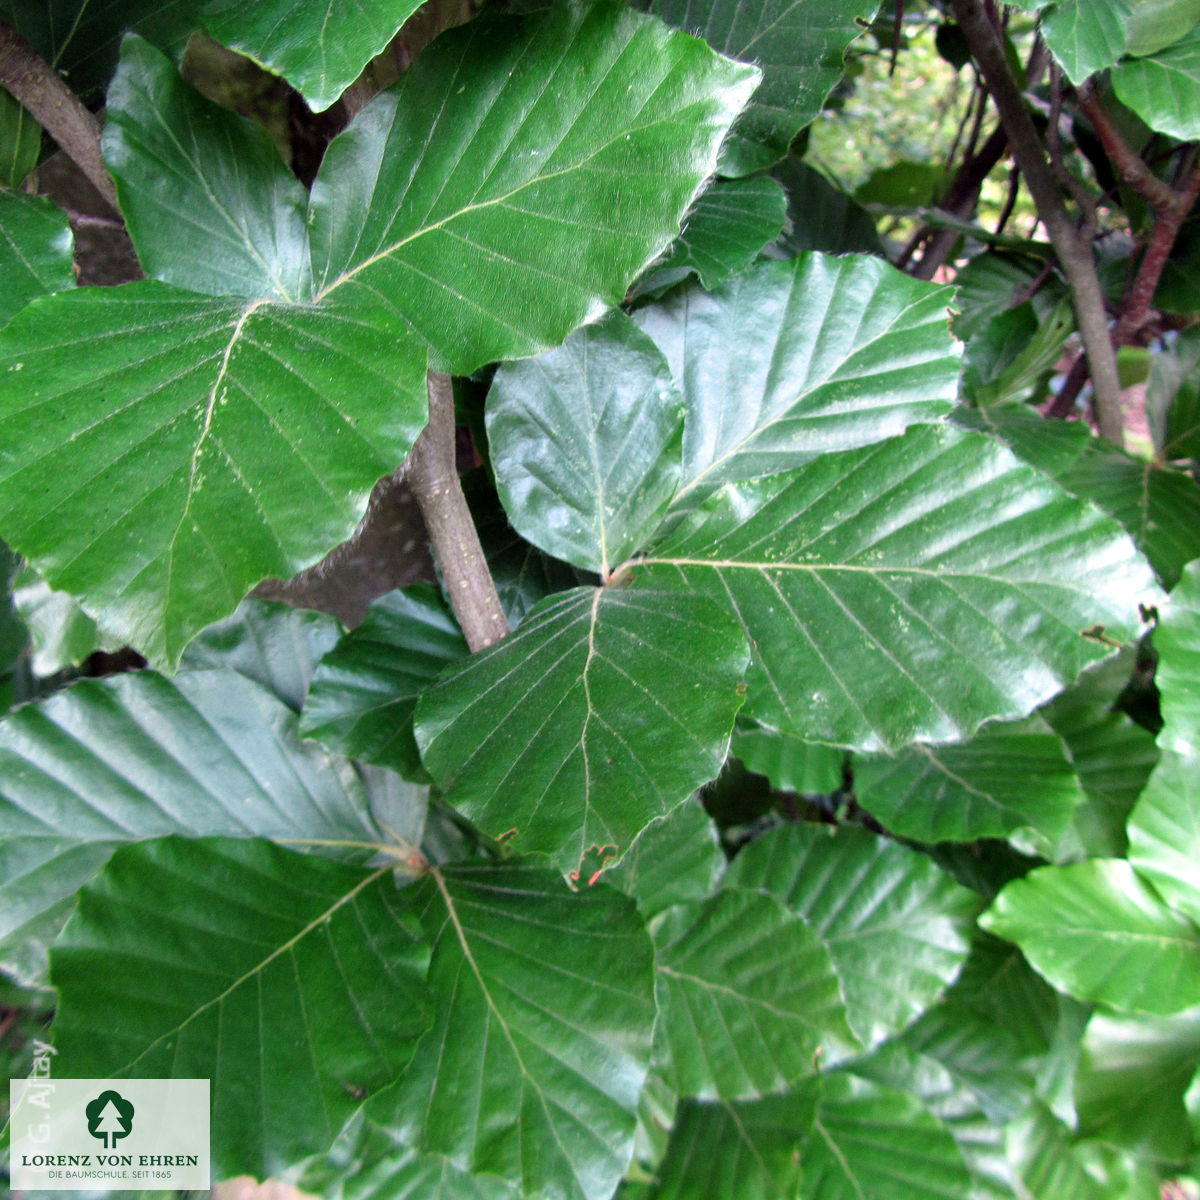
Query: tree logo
pixel 109 1117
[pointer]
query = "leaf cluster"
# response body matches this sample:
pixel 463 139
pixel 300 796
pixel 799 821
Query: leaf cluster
pixel 814 832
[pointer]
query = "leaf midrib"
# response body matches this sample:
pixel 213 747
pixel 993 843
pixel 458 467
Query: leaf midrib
pixel 321 919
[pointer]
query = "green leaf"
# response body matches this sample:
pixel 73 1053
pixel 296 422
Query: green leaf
pixel 746 1149
pixel 432 210
pixel 675 859
pixel 895 925
pixel 731 221
pixel 979 1057
pixel 1010 776
pixel 585 443
pixel 1177 640
pixel 139 756
pixel 1000 986
pixel 1011 359
pixel 294 983
pixel 821 216
pixel 451 200
pixel 1099 932
pixel 1164 832
pixel 1112 755
pixel 319 49
pixel 82 38
pixel 870 1140
pixel 36 250
pixel 575 731
pixel 789 763
pixel 1087 35
pixel 822 353
pixel 61 633
pixel 541 1040
pixel 272 643
pixel 1173 397
pixel 799 46
pixel 1132 1078
pixel 729 1028
pixel 908 591
pixel 1164 88
pixel 236 214
pixel 1159 507
pixel 1040 1147
pixel 20 142
pixel 196 465
pixel 902 185
pixel 365 690
pixel 898 1065
pixel 374 1166
pixel 987 285
pixel 1155 24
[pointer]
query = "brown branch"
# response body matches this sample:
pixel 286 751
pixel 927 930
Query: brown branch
pixel 1128 162
pixel 35 85
pixel 1074 251
pixel 432 473
pixel 1135 310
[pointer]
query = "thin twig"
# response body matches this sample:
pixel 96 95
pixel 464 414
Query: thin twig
pixel 432 473
pixel 1074 252
pixel 37 87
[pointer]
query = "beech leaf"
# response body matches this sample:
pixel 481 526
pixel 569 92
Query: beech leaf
pixel 544 1011
pixel 138 756
pixel 607 708
pixel 896 927
pixel 730 1029
pixel 908 591
pixel 294 983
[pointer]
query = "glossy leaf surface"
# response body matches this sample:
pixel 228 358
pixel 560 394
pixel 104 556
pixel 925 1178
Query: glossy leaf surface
pixel 272 643
pixel 799 47
pixel 61 634
pixel 196 466
pixel 365 690
pixel 1097 931
pixel 821 353
pixel 216 180
pixel 1087 35
pixel 431 211
pixel 541 1041
pixel 1112 755
pixel 451 200
pixel 731 1028
pixel 871 1140
pixel 789 763
pixel 910 590
pixel 585 443
pixel 895 926
pixel 574 731
pixel 1133 1073
pixel 675 859
pixel 35 251
pixel 1177 641
pixel 746 1149
pixel 319 50
pixel 293 983
pixel 139 756
pixel 1164 88
pixel 731 221
pixel 1164 832
pixel 1009 776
